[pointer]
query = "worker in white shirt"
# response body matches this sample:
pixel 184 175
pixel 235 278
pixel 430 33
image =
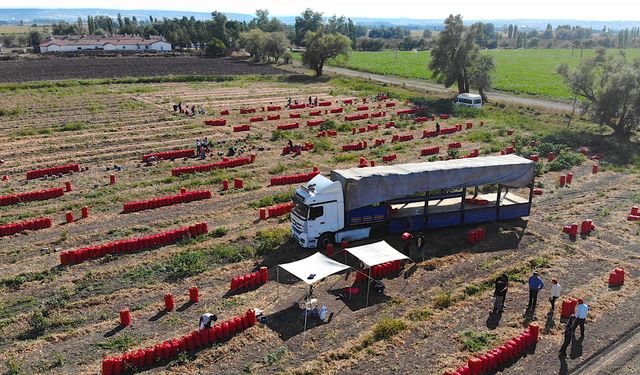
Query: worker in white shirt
pixel 581 316
pixel 555 293
pixel 206 320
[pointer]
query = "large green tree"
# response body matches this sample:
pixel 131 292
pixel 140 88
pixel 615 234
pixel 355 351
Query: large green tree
pixel 610 86
pixel 306 22
pixel 456 58
pixel 322 47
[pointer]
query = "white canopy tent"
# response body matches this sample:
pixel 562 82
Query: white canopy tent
pixel 314 268
pixel 311 270
pixel 374 254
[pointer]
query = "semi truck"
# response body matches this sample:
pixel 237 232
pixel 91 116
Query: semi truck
pixel 359 203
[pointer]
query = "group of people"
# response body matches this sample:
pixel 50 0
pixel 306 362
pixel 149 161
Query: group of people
pixel 188 111
pixel 202 148
pixel 536 284
pixel 312 101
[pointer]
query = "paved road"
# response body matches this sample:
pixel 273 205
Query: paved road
pixel 418 84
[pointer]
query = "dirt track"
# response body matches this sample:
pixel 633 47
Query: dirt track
pixel 60 68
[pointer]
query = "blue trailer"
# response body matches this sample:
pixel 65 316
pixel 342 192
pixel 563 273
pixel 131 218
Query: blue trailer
pixel 358 203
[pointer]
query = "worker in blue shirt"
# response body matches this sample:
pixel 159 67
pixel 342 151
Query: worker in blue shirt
pixel 535 285
pixel 581 315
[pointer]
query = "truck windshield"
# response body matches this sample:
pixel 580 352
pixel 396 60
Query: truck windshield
pixel 300 209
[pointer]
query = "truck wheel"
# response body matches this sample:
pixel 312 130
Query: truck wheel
pixel 378 231
pixel 325 239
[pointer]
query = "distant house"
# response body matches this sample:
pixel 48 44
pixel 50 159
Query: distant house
pixel 72 43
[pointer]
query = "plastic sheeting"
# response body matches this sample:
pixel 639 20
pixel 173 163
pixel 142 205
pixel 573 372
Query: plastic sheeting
pixel 376 253
pixel 314 268
pixel 366 186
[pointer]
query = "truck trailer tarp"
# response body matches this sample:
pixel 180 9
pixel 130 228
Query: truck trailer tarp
pixel 366 186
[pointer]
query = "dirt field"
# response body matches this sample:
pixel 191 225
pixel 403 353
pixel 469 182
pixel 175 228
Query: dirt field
pixel 59 68
pixel 101 126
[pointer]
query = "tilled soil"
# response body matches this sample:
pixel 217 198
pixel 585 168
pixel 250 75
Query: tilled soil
pixel 123 122
pixel 60 68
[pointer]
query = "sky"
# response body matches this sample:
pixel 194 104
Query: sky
pixel 610 10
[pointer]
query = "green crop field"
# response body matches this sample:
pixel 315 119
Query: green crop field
pixel 530 72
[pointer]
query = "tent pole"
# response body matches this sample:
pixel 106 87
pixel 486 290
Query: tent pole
pixel 368 286
pixel 306 312
pixel 278 282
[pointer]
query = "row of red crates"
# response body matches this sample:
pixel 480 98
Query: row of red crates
pixel 496 358
pixel 294 179
pixel 355 146
pixel 316 122
pixel 305 147
pixel 170 155
pixel 33 224
pixel 454 145
pixel 363 129
pixel 402 138
pixel 275 211
pixel 37 173
pixel 361 116
pixel 70 257
pixel 472 154
pixel 36 195
pixel 391 157
pixel 215 122
pixel 433 133
pixel 294 125
pixel 162 353
pixel 429 151
pixel 378 142
pixel 327 133
pixel 379 271
pixel 250 280
pixel 228 163
pixel 168 200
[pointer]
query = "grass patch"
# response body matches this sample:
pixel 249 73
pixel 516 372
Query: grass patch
pixel 120 343
pixel 272 200
pixel 341 158
pixel 272 358
pixel 219 232
pixel 72 126
pixel 419 315
pixel 383 330
pixel 477 341
pixel 18 280
pixel 269 240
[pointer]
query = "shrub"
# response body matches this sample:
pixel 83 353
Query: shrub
pixel 275 357
pixel 119 343
pixel 566 160
pixel 387 328
pixel 328 125
pixel 215 48
pixel 272 199
pixel 466 112
pixel 472 289
pixel 219 232
pixel 38 322
pixel 443 300
pixel 287 57
pixel 322 145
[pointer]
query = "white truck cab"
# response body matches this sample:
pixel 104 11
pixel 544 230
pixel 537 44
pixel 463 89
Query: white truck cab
pixel 468 100
pixel 318 212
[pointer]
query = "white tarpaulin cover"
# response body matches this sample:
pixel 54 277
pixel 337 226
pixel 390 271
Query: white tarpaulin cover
pixel 366 186
pixel 376 253
pixel 317 264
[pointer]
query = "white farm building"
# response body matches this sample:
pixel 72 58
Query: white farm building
pixel 71 43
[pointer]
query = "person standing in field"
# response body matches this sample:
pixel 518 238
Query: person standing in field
pixel 581 316
pixel 406 247
pixel 568 336
pixel 555 293
pixel 501 285
pixel 420 243
pixel 198 146
pixel 535 285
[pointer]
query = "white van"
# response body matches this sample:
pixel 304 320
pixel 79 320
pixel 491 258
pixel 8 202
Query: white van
pixel 468 100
